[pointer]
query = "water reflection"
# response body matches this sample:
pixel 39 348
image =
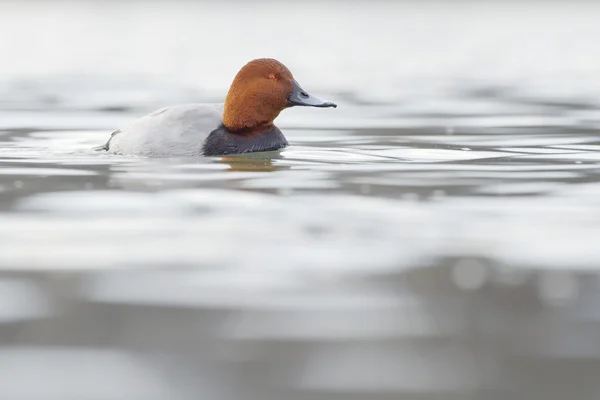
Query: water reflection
pixel 465 327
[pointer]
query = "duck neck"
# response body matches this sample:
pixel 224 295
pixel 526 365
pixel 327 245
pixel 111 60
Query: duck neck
pixel 244 113
pixel 261 137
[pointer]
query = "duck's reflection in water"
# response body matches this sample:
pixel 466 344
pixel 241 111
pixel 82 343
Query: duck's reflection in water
pixel 263 162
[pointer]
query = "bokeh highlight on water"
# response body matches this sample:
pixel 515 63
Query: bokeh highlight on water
pixel 435 237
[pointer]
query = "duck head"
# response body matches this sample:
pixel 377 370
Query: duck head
pixel 260 91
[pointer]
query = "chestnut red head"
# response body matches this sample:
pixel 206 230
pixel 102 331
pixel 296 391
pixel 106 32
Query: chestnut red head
pixel 260 91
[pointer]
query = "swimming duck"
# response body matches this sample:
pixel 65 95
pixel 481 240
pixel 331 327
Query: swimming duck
pixel 243 124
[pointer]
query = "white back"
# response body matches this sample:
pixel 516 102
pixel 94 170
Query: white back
pixel 170 131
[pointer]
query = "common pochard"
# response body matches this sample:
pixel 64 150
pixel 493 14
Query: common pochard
pixel 243 124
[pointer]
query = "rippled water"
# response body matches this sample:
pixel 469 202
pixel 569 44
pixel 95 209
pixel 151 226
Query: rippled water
pixel 435 237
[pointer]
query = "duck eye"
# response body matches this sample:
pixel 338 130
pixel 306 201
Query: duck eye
pixel 272 77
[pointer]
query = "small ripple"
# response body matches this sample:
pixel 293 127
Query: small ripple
pixel 29 171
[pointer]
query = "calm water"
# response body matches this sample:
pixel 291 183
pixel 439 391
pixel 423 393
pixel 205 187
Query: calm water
pixel 435 237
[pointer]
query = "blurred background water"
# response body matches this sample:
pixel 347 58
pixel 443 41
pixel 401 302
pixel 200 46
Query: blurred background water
pixel 434 237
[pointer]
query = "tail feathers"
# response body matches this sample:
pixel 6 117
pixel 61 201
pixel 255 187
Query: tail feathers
pixel 105 146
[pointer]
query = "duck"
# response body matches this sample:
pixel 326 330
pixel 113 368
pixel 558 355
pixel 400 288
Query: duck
pixel 244 123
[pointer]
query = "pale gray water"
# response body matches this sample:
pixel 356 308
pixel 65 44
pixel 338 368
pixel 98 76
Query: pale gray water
pixel 435 237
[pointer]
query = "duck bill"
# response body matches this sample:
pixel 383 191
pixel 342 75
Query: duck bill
pixel 299 97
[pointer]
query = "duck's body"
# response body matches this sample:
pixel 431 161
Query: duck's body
pixel 171 131
pixel 244 124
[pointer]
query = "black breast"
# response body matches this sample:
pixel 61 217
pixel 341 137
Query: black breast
pixel 221 141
